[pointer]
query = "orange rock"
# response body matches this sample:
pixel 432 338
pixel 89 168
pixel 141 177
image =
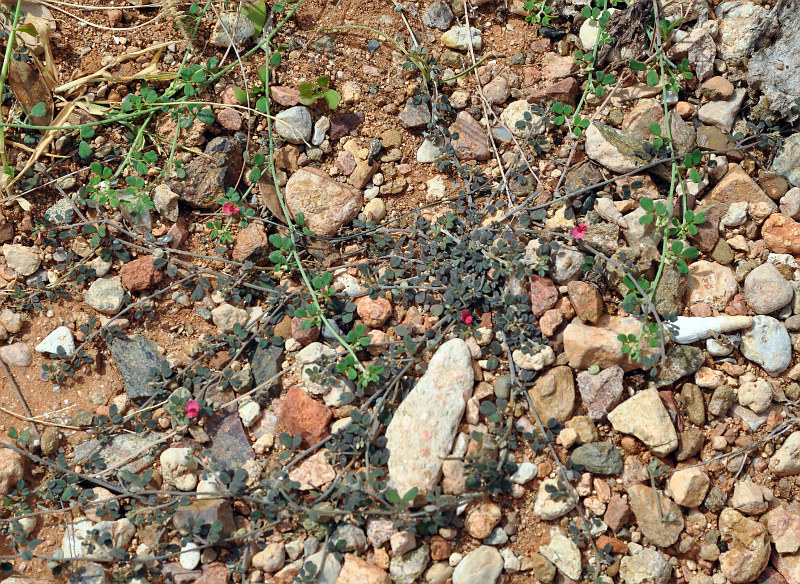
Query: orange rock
pixel 781 234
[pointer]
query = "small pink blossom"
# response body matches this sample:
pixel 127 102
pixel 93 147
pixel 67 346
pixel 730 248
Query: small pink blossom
pixel 229 209
pixel 579 231
pixel 466 317
pixel 192 409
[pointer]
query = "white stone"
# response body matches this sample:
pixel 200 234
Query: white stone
pixel 178 466
pixel 249 412
pixel 190 556
pixel 564 555
pixel 61 338
pixel 458 38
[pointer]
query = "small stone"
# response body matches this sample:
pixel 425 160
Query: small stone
pixel 717 88
pixel 252 244
pixel 106 295
pixel 229 119
pixel 358 571
pixel 645 416
pixel 165 201
pixel 661 533
pixel 787 161
pixel 190 556
pixel 16 355
pixel 458 38
pixel 327 204
pixel 481 566
pixel 564 554
pixel 521 120
pixel 766 290
pixel 688 487
pixel 767 343
pixel 601 392
pixel 756 395
pixel 786 460
pixel 549 505
pixel 178 466
pixel 23 260
pixel 140 274
pixel 711 283
pixel 249 412
pixel 438 15
pixel 402 542
pixel 302 414
pixel 294 124
pixel 472 142
pixel 646 567
pixel 482 519
pixel 722 113
pixel 414 115
pixel 374 312
pixel 748 498
pixel 553 395
pixel 598 458
pixel 614 150
pixel 12 468
pixel 408 568
pixel 783 524
pixel 232 28
pixel 748 547
pixel 586 300
pixel 271 558
pixel 61 338
pixel 227 316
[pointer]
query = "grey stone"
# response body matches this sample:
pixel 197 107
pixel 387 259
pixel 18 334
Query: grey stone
pixel 121 447
pixel 601 392
pixel 598 458
pixel 106 295
pixel 232 25
pixel 614 150
pixel 661 533
pixel 646 567
pixel 721 401
pixel 23 260
pixel 670 291
pixel 208 177
pixel 140 365
pixel 165 201
pixel 60 214
pixel 775 69
pixel 692 398
pixel 88 573
pixel 787 161
pixel 681 361
pixel 294 124
pixel 567 265
pixel 353 537
pixel 564 554
pixel 230 448
pixel 408 568
pixel 741 30
pixel 767 343
pixel 424 426
pixel 265 363
pixel 438 15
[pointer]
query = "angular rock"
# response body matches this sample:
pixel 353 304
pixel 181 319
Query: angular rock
pixel 787 161
pixel 748 547
pixel 550 506
pixel 688 487
pixel 472 142
pixel 12 468
pixel 646 567
pixel 601 392
pixel 209 176
pixel 140 365
pixel 783 525
pixel 645 416
pixel 742 27
pixel 781 234
pixel 711 283
pixel 438 15
pixel 615 151
pixel 252 244
pixel 564 554
pixel 458 38
pixel 106 295
pixel 598 345
pixel 599 458
pixel 358 571
pixel 424 426
pixel 59 339
pixel 722 113
pixel 232 28
pixel 230 448
pixel 302 414
pixel 265 364
pixel 140 274
pixel 327 204
pixel 660 533
pixel 680 361
pixel 408 568
pixel 586 300
pixel 737 186
pixel 414 115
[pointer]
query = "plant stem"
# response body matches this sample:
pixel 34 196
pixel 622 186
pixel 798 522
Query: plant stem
pixel 12 35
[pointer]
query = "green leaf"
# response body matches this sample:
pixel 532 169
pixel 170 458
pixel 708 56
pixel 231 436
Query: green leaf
pixel 655 129
pixel 263 73
pixel 682 267
pixel 323 81
pixel 676 246
pixel 84 150
pixel 275 59
pixel 332 98
pixel 638 66
pixel 690 253
pixel 646 203
pixel 646 219
pixel 306 89
pixel 240 95
pixel 652 78
pixel 256 12
pixel 206 116
pixel 39 109
pixel 409 496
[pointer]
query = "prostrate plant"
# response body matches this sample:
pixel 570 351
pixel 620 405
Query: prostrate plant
pixel 311 92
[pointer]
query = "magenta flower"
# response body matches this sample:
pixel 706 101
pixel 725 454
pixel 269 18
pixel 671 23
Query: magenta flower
pixel 466 317
pixel 229 209
pixel 579 231
pixel 192 409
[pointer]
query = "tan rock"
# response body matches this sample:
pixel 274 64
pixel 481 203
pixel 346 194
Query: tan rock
pixel 781 234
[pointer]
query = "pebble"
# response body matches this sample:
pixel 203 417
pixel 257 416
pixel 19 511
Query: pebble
pixel 661 533
pixel 271 558
pixel 515 113
pixel 481 566
pixel 61 338
pixel 249 412
pixel 231 21
pixel 767 343
pixel 106 295
pixel 23 260
pixel 408 568
pixel 294 124
pixel 458 38
pixel 766 290
pixel 178 467
pixel 786 460
pixel 328 205
pixel 688 487
pixel 645 567
pixel 748 548
pixel 12 469
pixel 227 316
pixel 16 355
pixel 482 519
pixel 438 15
pixel 190 556
pixel 722 113
pixel 525 473
pixel 547 506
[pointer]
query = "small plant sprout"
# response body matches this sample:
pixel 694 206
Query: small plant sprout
pixel 320 89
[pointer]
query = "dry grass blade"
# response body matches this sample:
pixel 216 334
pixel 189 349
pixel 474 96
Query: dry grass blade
pixel 105 74
pixel 31 79
pixel 48 137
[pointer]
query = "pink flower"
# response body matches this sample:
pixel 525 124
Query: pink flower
pixel 579 231
pixel 229 209
pixel 192 409
pixel 466 317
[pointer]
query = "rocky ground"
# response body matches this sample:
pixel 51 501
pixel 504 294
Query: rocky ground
pixel 437 371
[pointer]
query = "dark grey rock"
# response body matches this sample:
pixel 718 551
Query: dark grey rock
pixel 682 360
pixel 265 363
pixel 208 177
pixel 230 449
pixel 598 458
pixel 140 365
